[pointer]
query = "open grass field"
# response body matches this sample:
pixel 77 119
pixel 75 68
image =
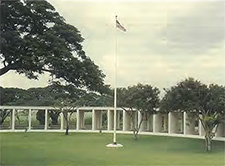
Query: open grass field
pixel 86 149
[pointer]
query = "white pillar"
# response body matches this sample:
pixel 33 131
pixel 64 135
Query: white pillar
pixel 156 123
pixel 165 127
pixel 29 119
pixel 139 120
pixel 62 121
pixel 182 122
pixel 143 124
pixel 172 122
pixel 110 120
pixel 118 120
pixel 221 130
pixel 78 119
pixel 189 124
pixel 13 119
pixel 158 120
pixel 46 119
pixel 82 120
pixel 125 121
pixel 100 119
pixel 93 119
pixel 136 119
pixel 185 123
pixel 201 131
pixel 132 120
pixel 149 123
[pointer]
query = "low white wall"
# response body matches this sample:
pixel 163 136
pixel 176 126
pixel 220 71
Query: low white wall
pixel 158 124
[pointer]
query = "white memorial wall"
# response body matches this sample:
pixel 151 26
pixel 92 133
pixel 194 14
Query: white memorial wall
pixel 101 118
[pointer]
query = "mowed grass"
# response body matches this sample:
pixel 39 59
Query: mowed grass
pixel 84 149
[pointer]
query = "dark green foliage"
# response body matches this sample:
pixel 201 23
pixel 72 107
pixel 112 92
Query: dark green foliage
pixel 47 96
pixel 144 98
pixel 36 39
pixel 188 94
pixel 12 96
pixel 139 98
pixel 54 116
pixel 51 96
pixel 206 102
pixel 40 116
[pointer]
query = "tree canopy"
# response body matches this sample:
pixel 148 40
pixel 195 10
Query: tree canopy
pixel 139 98
pixel 207 102
pixel 36 39
pixel 50 95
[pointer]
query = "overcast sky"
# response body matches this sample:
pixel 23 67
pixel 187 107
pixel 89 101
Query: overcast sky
pixel 165 41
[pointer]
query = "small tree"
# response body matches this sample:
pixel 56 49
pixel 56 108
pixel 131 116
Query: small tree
pixel 139 98
pixel 207 103
pixel 67 107
pixel 127 105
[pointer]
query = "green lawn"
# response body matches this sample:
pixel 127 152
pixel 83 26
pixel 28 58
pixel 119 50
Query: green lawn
pixel 83 149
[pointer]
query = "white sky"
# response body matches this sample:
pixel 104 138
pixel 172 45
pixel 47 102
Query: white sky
pixel 165 42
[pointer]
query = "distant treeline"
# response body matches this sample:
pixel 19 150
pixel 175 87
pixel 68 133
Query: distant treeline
pixel 48 96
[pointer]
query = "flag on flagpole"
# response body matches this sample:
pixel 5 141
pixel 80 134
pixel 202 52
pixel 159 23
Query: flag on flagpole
pixel 119 26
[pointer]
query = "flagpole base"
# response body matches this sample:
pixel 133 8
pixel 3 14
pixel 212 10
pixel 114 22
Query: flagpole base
pixel 114 145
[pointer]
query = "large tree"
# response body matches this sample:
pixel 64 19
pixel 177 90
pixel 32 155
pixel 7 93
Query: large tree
pixel 36 39
pixel 207 103
pixel 67 107
pixel 139 98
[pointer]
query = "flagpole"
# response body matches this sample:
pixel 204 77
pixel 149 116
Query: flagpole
pixel 115 144
pixel 115 87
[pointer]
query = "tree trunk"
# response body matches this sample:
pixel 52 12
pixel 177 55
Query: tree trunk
pixel 136 131
pixel 208 143
pixel 208 127
pixel 134 134
pixel 67 130
pixel 133 126
pixel 67 127
pixel 67 122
